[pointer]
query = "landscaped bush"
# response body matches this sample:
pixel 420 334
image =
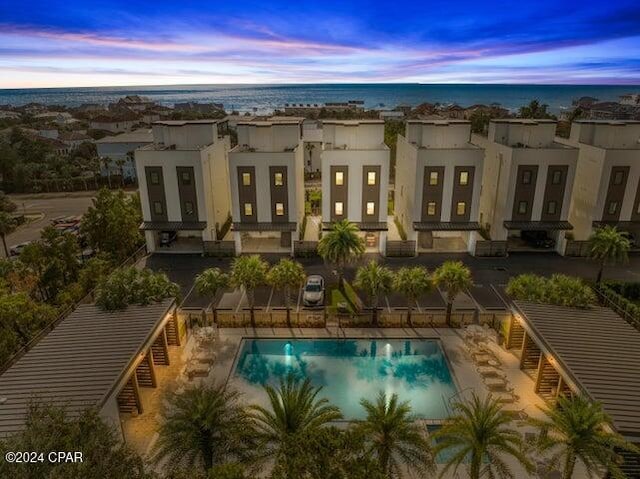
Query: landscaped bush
pixel 629 289
pixel 127 286
pixel 560 290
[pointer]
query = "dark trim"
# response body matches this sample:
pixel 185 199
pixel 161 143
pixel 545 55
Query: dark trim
pixel 377 226
pixel 538 225
pixel 446 226
pixel 173 226
pixel 240 226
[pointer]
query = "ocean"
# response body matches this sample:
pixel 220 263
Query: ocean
pixel 265 98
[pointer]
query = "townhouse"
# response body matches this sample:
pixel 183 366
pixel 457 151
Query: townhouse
pixel 527 184
pixel 438 183
pixel 184 188
pixel 266 177
pixel 607 189
pixel 355 177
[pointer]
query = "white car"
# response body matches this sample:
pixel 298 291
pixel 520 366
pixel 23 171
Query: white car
pixel 313 294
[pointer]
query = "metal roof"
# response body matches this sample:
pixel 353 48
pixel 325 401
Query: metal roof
pixel 78 364
pixel 446 226
pixel 538 225
pixel 599 350
pixel 260 226
pixel 367 226
pixel 173 225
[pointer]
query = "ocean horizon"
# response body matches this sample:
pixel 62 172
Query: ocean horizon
pixel 264 99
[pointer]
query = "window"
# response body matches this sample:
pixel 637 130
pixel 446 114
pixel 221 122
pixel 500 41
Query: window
pixel 248 209
pixel 339 178
pixel 613 207
pixel 464 178
pixel 557 177
pixel 552 207
pixel 279 209
pixel 431 208
pixel 618 177
pixel 157 207
pixel 188 207
pixel 522 208
pixel 371 208
pixel 371 178
pixel 433 178
pixel 278 179
pixel 338 208
pixel 246 179
pixel 526 177
pixel 186 178
pixel 155 178
pixel 461 207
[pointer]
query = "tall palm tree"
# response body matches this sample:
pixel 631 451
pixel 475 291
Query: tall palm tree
pixel 454 277
pixel 7 226
pixel 608 245
pixel 412 282
pixel 209 283
pixel 394 438
pixel 205 426
pixel 374 280
pixel 294 409
pixel 480 432
pixel 287 275
pixel 576 429
pixel 249 272
pixel 340 246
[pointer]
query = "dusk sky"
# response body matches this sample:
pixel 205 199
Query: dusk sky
pixel 112 42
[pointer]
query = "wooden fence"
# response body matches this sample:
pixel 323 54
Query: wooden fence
pixel 491 248
pixel 220 248
pixel 305 248
pixel 576 248
pixel 400 248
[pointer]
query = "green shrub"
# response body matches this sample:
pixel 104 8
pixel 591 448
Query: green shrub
pixel 560 290
pixel 127 286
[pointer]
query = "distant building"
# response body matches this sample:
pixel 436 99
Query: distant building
pixel 136 102
pixel 632 99
pixel 114 124
pixel 391 115
pixel 122 147
pixel 198 107
pixel 9 115
pixel 51 133
pixel 73 139
pixel 305 109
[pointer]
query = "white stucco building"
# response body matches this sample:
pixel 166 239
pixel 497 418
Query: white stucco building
pixel 120 148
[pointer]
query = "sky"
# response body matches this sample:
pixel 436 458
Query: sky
pixel 139 42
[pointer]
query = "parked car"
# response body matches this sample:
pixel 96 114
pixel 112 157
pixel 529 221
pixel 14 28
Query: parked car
pixel 17 249
pixel 313 294
pixel 538 239
pixel 167 237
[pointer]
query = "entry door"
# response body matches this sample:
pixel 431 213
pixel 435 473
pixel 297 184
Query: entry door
pixel 425 239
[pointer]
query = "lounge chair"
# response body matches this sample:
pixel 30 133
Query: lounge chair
pixel 496 384
pixel 505 397
pixel 517 414
pixel 490 371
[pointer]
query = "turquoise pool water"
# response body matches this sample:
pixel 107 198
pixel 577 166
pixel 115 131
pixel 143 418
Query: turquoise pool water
pixel 349 370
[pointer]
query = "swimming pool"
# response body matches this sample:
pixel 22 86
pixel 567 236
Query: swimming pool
pixel 350 369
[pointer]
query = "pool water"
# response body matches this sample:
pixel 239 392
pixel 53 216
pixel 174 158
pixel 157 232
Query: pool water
pixel 349 370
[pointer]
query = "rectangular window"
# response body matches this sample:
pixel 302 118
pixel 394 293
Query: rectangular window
pixel 279 209
pixel 557 177
pixel 618 177
pixel 155 178
pixel 461 207
pixel 431 208
pixel 464 178
pixel 338 208
pixel 522 207
pixel 339 178
pixel 526 177
pixel 371 178
pixel 248 209
pixel 433 178
pixel 246 179
pixel 186 178
pixel 552 207
pixel 188 207
pixel 371 208
pixel 157 207
pixel 613 207
pixel 278 179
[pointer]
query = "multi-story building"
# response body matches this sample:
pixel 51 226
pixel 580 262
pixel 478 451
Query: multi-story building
pixel 526 184
pixel 266 171
pixel 184 187
pixel 355 177
pixel 607 189
pixel 438 183
pixel 117 152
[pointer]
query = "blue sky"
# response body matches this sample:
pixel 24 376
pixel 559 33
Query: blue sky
pixel 107 42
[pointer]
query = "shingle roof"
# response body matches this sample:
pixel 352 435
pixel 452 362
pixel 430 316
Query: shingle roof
pixel 78 363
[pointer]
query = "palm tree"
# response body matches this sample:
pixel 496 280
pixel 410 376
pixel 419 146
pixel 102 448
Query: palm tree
pixel 287 275
pixel 106 162
pixel 295 410
pixel 479 432
pixel 412 282
pixel 608 245
pixel 577 430
pixel 454 277
pixel 310 147
pixel 340 246
pixel 374 280
pixel 7 226
pixel 394 437
pixel 209 283
pixel 205 426
pixel 249 272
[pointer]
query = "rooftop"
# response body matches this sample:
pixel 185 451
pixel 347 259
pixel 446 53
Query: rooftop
pixel 142 135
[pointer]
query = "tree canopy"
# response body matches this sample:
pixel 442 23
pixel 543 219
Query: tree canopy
pixel 559 289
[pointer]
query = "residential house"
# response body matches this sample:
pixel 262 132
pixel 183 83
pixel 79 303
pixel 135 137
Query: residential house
pixel 355 177
pixel 184 187
pixel 73 139
pixel 115 123
pixel 438 183
pixel 632 99
pixel 119 150
pixel 266 174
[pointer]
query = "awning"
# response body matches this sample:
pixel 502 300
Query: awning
pixel 173 225
pixel 239 226
pixel 619 224
pixel 538 225
pixel 446 226
pixel 369 226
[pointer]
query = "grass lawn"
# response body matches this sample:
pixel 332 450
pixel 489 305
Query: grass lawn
pixel 336 296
